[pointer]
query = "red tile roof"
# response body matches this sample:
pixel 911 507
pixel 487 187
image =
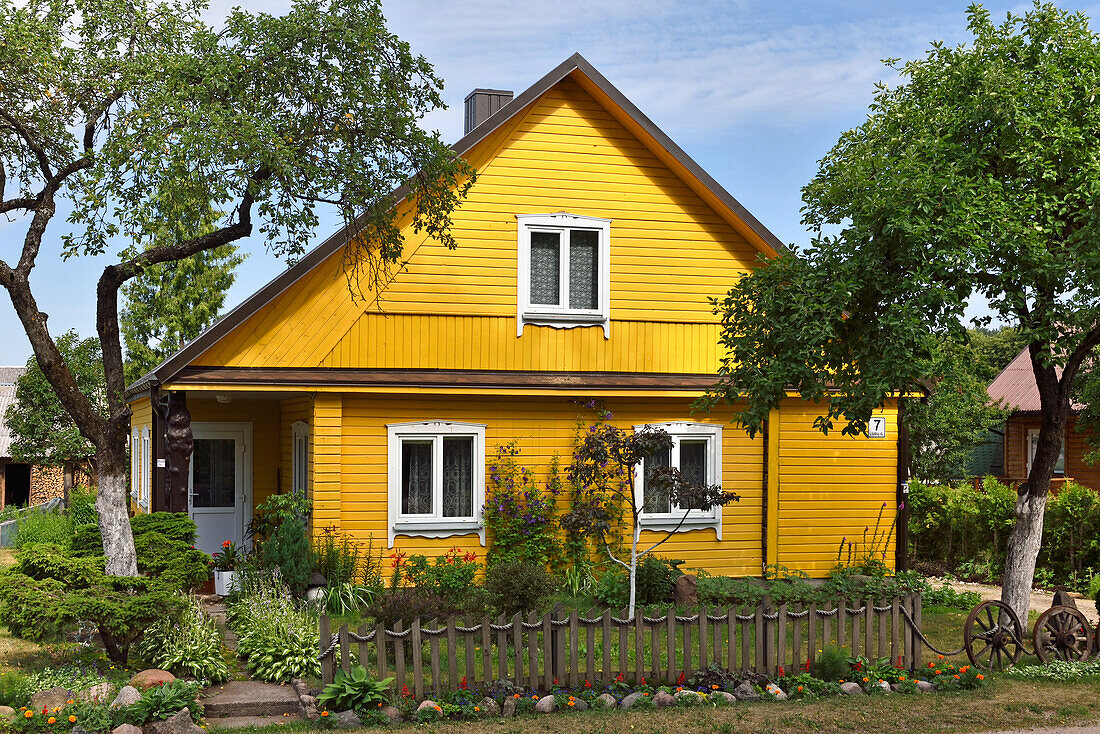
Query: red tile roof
pixel 1016 388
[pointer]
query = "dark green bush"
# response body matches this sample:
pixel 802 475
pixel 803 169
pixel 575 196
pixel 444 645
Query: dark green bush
pixel 405 605
pixel 832 664
pixel 288 550
pixel 654 583
pixel 47 591
pixel 518 587
pixel 175 563
pixel 178 526
pixel 724 590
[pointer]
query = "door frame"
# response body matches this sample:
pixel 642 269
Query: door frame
pixel 244 498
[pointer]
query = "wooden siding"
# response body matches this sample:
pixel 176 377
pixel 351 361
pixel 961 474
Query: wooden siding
pixel 408 341
pixel 670 252
pixel 293 410
pixel 1016 431
pixel 831 488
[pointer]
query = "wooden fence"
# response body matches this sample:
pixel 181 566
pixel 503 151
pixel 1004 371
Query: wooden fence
pixel 571 648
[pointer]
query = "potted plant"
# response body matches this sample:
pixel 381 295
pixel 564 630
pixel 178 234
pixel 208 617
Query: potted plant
pixel 225 568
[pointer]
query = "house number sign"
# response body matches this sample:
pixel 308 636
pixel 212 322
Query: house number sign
pixel 876 427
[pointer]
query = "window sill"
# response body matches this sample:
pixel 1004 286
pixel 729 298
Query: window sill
pixel 565 320
pixel 672 523
pixel 438 529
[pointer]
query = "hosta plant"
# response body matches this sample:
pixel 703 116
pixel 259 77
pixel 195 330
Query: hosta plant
pixel 355 690
pixel 277 639
pixel 191 647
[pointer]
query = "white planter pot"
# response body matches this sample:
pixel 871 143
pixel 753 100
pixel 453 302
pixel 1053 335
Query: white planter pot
pixel 222 581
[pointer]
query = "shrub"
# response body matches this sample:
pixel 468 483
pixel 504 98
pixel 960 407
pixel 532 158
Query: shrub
pixel 655 582
pixel 405 605
pixel 191 646
pixel 945 596
pixel 46 592
pixel 274 512
pixel 520 514
pixel 724 590
pixel 451 576
pixel 178 565
pixel 342 561
pixel 518 587
pixel 43 527
pixel 832 664
pixel 82 506
pixel 355 691
pixel 288 550
pixel 277 639
pixel 86 540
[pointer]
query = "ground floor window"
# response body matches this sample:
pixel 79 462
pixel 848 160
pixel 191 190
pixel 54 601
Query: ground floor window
pixel 697 452
pixel 436 478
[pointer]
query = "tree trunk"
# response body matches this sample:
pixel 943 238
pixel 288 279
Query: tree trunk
pixel 634 568
pixel 1027 534
pixel 114 520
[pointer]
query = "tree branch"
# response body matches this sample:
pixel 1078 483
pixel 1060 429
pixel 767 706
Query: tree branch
pixel 39 152
pixel 1080 354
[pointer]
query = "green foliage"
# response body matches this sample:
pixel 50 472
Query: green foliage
pixel 82 509
pixel 956 418
pixel 42 431
pixel 173 562
pixel 171 303
pixel 288 550
pixel 274 512
pixel 1057 670
pixel 515 586
pixel 36 527
pixel 177 526
pixel 655 580
pixel 355 690
pixel 342 561
pixel 451 576
pixel 724 590
pixel 46 592
pixel 831 664
pixel 190 646
pixel 945 596
pixel 520 514
pixel 277 638
pixel 1071 531
pixel 406 604
pixel 162 702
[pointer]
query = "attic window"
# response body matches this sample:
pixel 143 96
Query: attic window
pixel 564 271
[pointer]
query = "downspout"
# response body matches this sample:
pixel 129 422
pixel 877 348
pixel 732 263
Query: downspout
pixel 901 546
pixel 158 501
pixel 764 503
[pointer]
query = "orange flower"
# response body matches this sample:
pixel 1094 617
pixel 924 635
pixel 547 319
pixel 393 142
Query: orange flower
pixel 51 720
pixel 956 676
pixel 937 672
pixel 572 703
pixel 72 719
pixel 941 657
pixel 70 701
pixel 28 714
pixel 476 708
pixel 438 708
pixel 800 689
pixel 515 695
pixel 324 713
pixel 866 680
pixel 645 694
pixel 714 687
pixel 979 676
pixel 901 678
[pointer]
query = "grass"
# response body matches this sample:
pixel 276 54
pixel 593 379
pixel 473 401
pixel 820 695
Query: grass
pixel 1005 704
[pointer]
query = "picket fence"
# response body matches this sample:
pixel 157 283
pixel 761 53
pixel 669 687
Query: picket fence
pixel 570 648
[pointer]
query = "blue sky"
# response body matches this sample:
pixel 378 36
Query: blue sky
pixel 755 91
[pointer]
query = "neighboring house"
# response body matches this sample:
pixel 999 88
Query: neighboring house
pixel 588 250
pixel 1015 387
pixel 22 484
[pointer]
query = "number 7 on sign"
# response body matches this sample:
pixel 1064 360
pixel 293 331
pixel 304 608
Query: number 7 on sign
pixel 876 427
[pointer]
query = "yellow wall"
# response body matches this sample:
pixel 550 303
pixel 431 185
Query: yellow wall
pixel 670 252
pixel 264 415
pixel 832 488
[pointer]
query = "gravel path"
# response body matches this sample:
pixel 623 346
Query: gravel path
pixel 1040 601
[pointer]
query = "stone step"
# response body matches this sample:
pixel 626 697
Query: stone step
pixel 240 722
pixel 249 698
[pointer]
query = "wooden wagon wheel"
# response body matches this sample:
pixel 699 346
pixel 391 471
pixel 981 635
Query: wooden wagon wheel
pixel 993 636
pixel 1062 633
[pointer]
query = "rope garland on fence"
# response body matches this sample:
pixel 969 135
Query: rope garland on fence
pixel 770 617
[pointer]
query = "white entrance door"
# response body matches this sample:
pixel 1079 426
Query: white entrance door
pixel 220 483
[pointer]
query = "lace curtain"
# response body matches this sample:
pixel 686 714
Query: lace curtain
pixel 693 463
pixel 654 500
pixel 583 269
pixel 416 478
pixel 458 490
pixel 545 268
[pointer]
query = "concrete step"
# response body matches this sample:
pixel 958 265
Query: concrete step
pixel 240 722
pixel 249 698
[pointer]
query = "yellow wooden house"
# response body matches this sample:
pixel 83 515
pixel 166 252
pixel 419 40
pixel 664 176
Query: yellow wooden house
pixel 588 249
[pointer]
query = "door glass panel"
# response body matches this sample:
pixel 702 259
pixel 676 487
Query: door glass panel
pixel 545 268
pixel 416 477
pixel 215 468
pixel 654 500
pixel 458 476
pixel 583 269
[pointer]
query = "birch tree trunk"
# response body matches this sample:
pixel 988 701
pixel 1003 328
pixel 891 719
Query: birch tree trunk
pixel 634 567
pixel 114 520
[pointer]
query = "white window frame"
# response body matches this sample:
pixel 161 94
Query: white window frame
pixel 1032 440
pixel 299 458
pixel 146 473
pixel 561 316
pixel 696 519
pixel 135 463
pixel 435 525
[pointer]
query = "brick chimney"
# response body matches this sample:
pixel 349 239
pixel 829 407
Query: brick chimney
pixel 481 104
